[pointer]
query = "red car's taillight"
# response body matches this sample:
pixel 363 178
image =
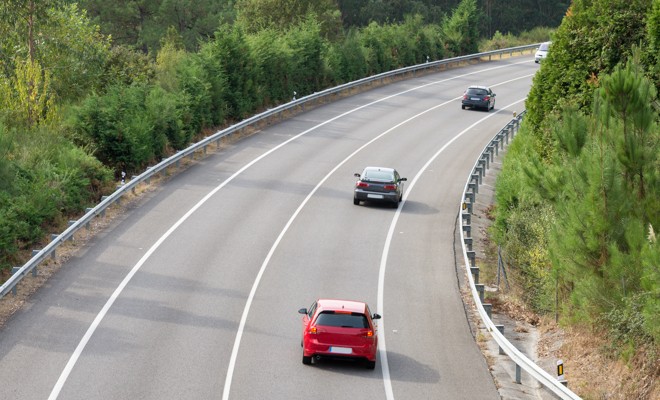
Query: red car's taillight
pixel 389 187
pixel 362 184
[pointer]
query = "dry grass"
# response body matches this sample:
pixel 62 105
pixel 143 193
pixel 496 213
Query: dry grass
pixel 595 374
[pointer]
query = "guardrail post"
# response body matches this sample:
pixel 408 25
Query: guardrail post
pixel 480 290
pixel 496 146
pixel 501 329
pixel 87 225
pixel 469 196
pixel 467 217
pixel 103 211
pixel 72 235
pixel 53 255
pixel 518 374
pixel 474 187
pixel 481 163
pixel 477 177
pixel 34 270
pixel 467 229
pixel 489 309
pixel 468 243
pixel 475 274
pixel 472 256
pixel 491 153
pixel 14 290
pixel 480 170
pixel 486 158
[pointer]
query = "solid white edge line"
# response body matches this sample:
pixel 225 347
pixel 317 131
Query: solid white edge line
pixel 382 348
pixel 57 388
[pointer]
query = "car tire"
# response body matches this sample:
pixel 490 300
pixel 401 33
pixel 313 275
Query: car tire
pixel 307 360
pixel 462 107
pixel 395 204
pixel 371 364
pixel 356 201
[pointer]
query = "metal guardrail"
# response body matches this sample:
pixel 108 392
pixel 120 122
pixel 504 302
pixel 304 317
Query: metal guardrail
pixel 40 256
pixel 469 196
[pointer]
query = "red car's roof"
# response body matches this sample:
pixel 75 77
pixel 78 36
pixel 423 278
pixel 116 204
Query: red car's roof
pixel 346 305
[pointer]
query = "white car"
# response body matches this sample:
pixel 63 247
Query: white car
pixel 542 52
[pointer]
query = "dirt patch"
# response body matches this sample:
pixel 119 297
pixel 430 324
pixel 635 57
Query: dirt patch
pixel 591 370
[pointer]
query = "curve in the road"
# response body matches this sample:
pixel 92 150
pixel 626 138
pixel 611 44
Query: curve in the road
pixel 97 320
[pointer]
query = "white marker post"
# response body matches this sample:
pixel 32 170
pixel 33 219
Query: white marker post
pixel 560 373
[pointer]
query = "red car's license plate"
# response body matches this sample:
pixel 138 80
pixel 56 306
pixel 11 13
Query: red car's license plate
pixel 340 350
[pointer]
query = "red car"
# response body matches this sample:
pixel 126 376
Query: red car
pixel 341 329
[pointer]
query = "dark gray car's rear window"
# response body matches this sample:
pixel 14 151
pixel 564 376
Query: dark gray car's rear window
pixel 378 176
pixel 476 91
pixel 353 320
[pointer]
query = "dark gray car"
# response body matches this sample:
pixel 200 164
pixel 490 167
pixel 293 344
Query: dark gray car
pixel 478 97
pixel 379 184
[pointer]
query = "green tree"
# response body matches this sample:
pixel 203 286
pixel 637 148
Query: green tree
pixel 282 15
pixel 347 59
pixel 306 61
pixel 593 38
pixel 230 47
pixel 461 29
pixel 26 98
pixel 75 53
pixel 273 59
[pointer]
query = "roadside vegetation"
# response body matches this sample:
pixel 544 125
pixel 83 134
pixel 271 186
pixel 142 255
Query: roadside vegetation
pixel 578 199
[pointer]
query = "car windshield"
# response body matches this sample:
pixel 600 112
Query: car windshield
pixel 345 320
pixel 380 176
pixel 544 46
pixel 477 91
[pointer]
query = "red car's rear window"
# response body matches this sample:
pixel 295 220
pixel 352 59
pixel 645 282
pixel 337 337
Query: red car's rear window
pixel 352 320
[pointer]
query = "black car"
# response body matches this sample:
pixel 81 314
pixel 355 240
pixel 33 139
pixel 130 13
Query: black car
pixel 379 184
pixel 478 97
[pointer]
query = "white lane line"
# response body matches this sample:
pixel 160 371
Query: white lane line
pixel 382 348
pixel 381 276
pixel 99 317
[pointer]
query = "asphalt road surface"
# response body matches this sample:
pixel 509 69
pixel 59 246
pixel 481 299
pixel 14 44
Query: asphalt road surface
pixel 194 294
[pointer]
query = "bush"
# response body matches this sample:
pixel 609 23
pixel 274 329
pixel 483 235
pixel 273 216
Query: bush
pixel 118 128
pixel 48 178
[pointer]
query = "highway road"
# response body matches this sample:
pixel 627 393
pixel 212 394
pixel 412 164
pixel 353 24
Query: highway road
pixel 194 293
